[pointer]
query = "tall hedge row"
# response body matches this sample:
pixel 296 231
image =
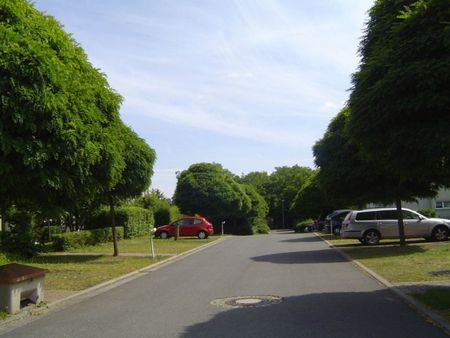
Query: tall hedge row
pixel 135 221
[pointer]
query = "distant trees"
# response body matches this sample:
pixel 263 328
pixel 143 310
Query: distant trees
pixel 211 191
pixel 164 211
pixel 279 189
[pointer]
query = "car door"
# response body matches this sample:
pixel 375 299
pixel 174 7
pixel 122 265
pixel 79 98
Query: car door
pixel 387 223
pixel 414 227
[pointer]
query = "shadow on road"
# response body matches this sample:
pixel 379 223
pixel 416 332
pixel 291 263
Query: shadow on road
pixel 309 239
pixel 302 257
pixel 345 314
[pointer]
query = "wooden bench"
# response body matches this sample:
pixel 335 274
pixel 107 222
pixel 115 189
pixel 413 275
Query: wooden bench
pixel 19 282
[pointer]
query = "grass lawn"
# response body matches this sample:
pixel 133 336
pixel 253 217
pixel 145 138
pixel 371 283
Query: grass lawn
pixel 438 299
pixel 417 262
pixel 74 273
pixel 142 245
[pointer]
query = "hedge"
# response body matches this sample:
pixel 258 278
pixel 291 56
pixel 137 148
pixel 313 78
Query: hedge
pixel 135 221
pixel 78 239
pixel 301 226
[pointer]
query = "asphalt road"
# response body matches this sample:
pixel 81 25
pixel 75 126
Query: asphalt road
pixel 322 296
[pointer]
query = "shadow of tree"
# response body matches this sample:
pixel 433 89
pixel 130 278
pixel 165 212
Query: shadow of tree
pixel 344 314
pixel 302 257
pixel 381 251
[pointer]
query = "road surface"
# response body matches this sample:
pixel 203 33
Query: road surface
pixel 322 295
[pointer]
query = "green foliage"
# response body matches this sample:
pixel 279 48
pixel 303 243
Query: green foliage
pixel 163 211
pixel 401 91
pixel 135 221
pixel 44 233
pixel 57 114
pixel 211 191
pixel 428 212
pixel 21 238
pixel 78 239
pixel 260 226
pixel 311 200
pixel 279 189
pixel 301 226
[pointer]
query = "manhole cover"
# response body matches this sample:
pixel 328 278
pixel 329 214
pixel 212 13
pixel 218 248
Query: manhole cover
pixel 247 301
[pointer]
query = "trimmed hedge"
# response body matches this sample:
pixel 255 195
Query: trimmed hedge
pixel 78 239
pixel 135 221
pixel 260 226
pixel 301 226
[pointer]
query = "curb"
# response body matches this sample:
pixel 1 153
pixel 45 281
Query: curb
pixel 25 317
pixel 416 305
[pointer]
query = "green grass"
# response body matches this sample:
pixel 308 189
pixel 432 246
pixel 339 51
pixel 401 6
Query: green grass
pixel 438 299
pixel 416 262
pixel 142 245
pixel 74 273
pixel 3 314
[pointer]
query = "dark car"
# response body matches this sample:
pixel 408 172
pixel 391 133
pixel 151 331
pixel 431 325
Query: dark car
pixel 333 221
pixel 189 226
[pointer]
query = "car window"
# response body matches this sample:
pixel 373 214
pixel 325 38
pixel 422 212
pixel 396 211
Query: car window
pixel 409 215
pixel 180 222
pixel 365 216
pixel 387 214
pixel 197 221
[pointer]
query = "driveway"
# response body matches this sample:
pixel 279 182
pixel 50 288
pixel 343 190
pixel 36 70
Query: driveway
pixel 317 293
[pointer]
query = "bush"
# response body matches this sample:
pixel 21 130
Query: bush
pixel 260 226
pixel 301 226
pixel 135 221
pixel 45 233
pixel 21 237
pixel 79 239
pixel 428 212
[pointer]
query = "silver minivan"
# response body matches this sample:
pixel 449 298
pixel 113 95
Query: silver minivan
pixel 369 226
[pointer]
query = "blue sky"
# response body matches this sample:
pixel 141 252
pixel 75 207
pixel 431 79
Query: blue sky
pixel 250 84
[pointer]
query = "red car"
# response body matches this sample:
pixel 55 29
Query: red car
pixel 189 226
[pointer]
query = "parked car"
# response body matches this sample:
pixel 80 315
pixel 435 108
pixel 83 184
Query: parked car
pixel 319 223
pixel 189 226
pixel 372 225
pixel 334 220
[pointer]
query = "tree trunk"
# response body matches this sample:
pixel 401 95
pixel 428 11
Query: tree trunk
pixel 113 225
pixel 401 228
pixel 3 222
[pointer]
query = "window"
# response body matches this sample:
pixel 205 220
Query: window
pixel 365 216
pixel 442 204
pixel 197 221
pixel 387 214
pixel 409 215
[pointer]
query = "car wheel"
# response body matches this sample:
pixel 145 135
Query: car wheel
pixel 440 233
pixel 372 237
pixel 362 240
pixel 164 235
pixel 202 235
pixel 337 231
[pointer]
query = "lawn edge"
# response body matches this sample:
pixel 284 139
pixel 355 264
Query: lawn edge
pixel 28 315
pixel 422 309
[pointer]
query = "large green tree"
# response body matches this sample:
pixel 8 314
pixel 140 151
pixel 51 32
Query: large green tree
pixel 57 113
pixel 399 102
pixel 212 191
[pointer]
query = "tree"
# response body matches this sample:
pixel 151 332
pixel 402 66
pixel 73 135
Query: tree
pixel 57 114
pixel 209 190
pixel 399 101
pixel 311 200
pixel 136 175
pixel 284 184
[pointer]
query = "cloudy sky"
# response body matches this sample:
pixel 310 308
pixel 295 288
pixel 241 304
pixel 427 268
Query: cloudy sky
pixel 250 84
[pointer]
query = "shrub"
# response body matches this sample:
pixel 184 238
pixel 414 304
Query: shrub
pixel 260 226
pixel 135 221
pixel 79 239
pixel 301 226
pixel 21 237
pixel 428 212
pixel 45 233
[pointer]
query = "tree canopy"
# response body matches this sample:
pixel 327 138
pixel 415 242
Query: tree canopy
pixel 57 114
pixel 400 97
pixel 211 191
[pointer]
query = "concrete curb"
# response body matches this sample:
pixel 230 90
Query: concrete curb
pixel 412 302
pixel 25 317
